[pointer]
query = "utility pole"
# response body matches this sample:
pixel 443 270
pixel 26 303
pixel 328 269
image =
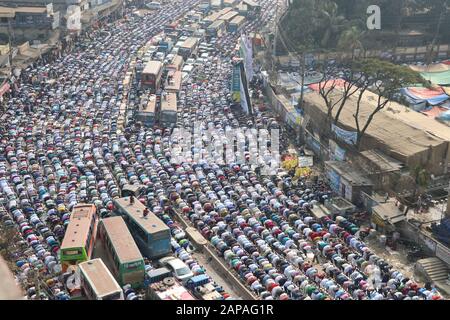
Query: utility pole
pixel 302 73
pixel 433 43
pixel 275 37
pixel 10 42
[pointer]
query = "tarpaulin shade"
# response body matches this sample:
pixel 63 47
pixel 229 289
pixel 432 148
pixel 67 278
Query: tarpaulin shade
pixel 434 112
pixel 338 83
pixel 431 96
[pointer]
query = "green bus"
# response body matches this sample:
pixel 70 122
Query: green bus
pixel 79 239
pixel 122 254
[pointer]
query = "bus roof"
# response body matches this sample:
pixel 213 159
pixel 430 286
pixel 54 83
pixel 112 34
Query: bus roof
pixel 212 17
pixel 225 10
pixel 175 84
pixel 78 228
pixel 124 245
pixel 189 43
pixel 177 62
pixel 151 223
pixel 152 67
pixel 99 276
pixel 150 107
pixel 228 16
pixel 216 24
pixel 169 103
pixel 237 20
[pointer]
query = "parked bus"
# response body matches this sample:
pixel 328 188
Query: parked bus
pixel 147 112
pixel 78 242
pixel 236 23
pixel 216 29
pixel 151 75
pixel 151 234
pixel 168 116
pixel 227 17
pixel 124 258
pixel 97 282
pixel 173 84
pixel 188 48
pixel 176 64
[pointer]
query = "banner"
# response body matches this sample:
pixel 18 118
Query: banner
pixel 243 98
pixel 314 144
pixel 335 180
pixel 246 103
pixel 236 83
pixel 348 137
pixel 336 151
pixel 305 161
pixel 246 52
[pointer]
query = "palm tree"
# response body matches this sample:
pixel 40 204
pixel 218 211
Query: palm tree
pixel 331 20
pixel 350 39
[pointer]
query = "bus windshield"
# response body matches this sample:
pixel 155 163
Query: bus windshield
pixel 169 116
pixel 112 296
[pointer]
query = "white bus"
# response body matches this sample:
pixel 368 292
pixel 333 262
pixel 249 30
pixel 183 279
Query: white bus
pixel 97 282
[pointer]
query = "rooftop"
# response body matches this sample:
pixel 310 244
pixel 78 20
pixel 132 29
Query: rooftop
pixel 389 212
pixel 78 228
pixel 189 42
pixel 382 161
pixel 237 20
pixel 216 24
pixel 345 170
pixel 175 84
pixel 151 223
pixel 100 277
pixel 122 240
pixel 152 67
pixel 169 103
pixel 407 136
pixel 228 16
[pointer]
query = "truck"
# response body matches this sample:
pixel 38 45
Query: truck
pixel 162 286
pixel 203 288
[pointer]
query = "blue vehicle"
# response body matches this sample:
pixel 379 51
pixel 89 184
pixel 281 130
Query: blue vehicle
pixel 151 234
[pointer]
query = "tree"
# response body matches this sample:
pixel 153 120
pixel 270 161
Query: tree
pixel 332 22
pixel 334 99
pixel 350 39
pixel 384 79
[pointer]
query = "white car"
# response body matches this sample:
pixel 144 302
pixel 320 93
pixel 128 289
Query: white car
pixel 180 270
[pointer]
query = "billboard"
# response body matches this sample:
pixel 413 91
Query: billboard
pixel 236 83
pixel 246 53
pixel 244 93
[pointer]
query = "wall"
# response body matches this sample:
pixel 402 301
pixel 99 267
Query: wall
pixel 433 247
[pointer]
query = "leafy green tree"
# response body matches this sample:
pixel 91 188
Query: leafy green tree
pixel 384 79
pixel 332 22
pixel 350 39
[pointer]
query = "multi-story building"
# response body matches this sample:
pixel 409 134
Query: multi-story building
pixel 28 23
